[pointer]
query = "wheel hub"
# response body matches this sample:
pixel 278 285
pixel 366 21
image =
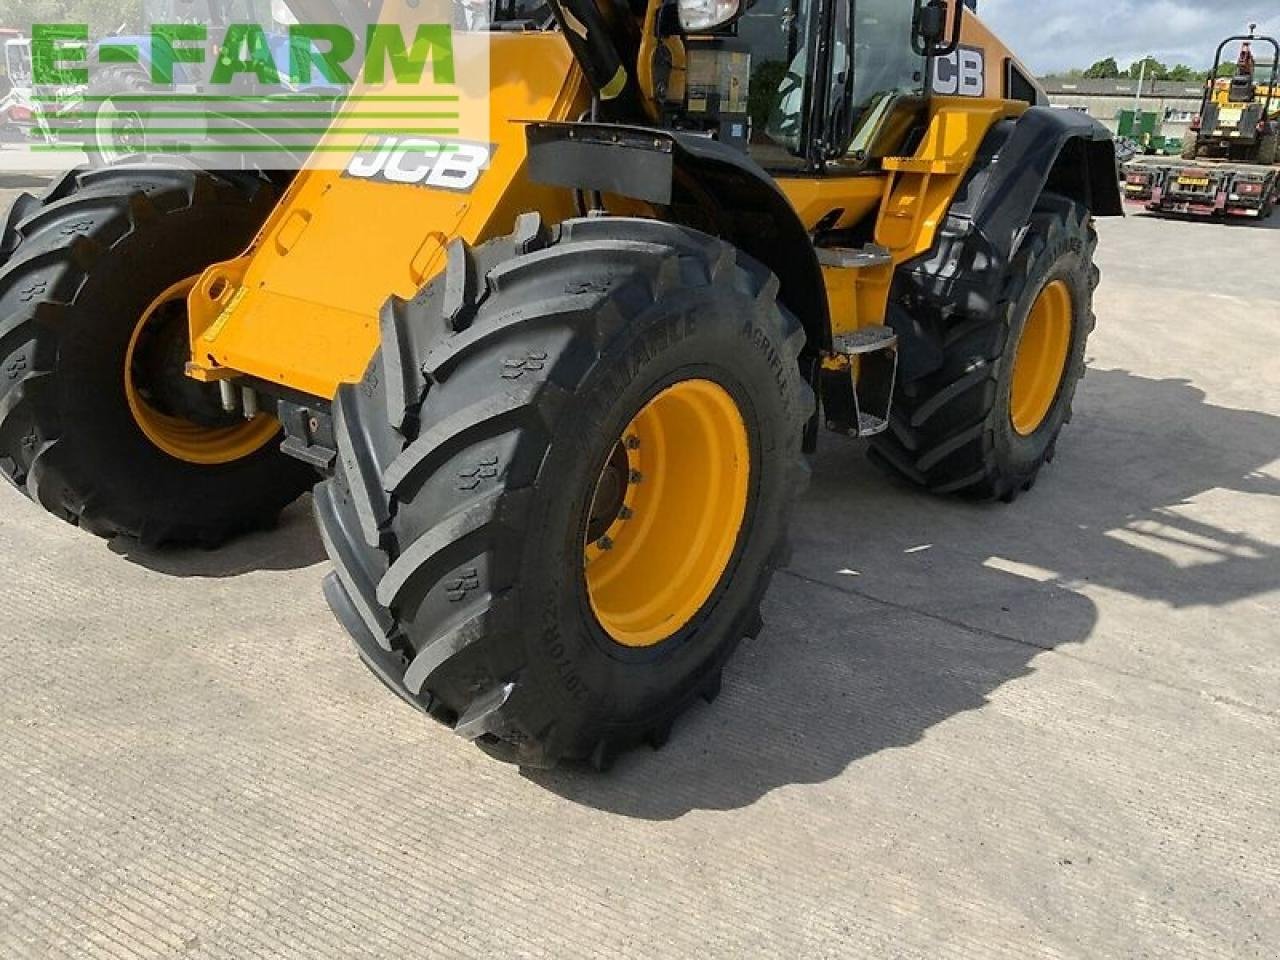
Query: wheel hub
pixel 1041 358
pixel 666 513
pixel 179 416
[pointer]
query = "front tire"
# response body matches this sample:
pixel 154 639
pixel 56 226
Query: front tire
pixel 93 402
pixel 482 471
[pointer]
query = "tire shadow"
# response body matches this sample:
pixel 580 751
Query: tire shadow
pixel 292 545
pixel 901 610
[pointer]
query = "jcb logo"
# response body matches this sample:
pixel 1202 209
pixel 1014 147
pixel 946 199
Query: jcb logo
pixel 417 160
pixel 963 74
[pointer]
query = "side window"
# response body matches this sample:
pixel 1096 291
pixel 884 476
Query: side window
pixel 883 60
pixel 778 33
pixel 885 67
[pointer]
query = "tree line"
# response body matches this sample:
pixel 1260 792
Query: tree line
pixel 1109 69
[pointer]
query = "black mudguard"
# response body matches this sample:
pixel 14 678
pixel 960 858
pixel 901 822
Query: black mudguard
pixel 1063 151
pixel 708 185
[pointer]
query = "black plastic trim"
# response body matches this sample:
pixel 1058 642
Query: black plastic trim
pixel 1045 149
pixel 707 184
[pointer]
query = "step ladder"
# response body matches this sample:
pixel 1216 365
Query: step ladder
pixel 869 354
pixel 872 357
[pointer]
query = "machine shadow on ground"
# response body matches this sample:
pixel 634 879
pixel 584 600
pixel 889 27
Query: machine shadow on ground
pixel 849 666
pixel 292 545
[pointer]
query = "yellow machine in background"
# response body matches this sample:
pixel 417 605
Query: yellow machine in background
pixel 1239 118
pixel 557 377
pixel 1228 167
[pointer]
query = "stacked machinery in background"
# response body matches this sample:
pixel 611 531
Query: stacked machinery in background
pixel 1228 166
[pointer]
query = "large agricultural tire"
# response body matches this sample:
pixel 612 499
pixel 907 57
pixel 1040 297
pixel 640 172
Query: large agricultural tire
pixel 474 458
pixel 1269 150
pixel 966 428
pixel 87 428
pixel 117 130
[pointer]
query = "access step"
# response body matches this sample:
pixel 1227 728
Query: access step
pixel 865 340
pixel 855 258
pixel 871 357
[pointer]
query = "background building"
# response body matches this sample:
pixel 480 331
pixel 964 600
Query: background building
pixel 1177 102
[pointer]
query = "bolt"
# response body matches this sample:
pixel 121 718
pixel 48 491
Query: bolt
pixel 635 476
pixel 633 442
pixel 625 513
pixel 227 393
pixel 605 543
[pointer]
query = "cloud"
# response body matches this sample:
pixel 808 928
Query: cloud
pixel 1055 35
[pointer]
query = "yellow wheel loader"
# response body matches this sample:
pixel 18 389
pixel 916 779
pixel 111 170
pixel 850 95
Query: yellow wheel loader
pixel 558 386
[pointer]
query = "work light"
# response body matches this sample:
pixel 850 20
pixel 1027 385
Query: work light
pixel 698 16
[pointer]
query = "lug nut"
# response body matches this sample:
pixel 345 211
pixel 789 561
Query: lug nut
pixel 633 442
pixel 635 476
pixel 605 543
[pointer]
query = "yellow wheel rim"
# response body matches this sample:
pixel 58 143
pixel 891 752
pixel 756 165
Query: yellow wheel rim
pixel 1041 358
pixel 181 438
pixel 667 512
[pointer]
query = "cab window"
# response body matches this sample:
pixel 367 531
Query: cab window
pixel 779 34
pixel 889 77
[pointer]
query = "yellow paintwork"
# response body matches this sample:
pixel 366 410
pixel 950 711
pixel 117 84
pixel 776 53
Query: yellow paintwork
pixel 180 438
pixel 1222 93
pixel 1041 358
pixel 915 194
pixel 300 308
pixel 976 34
pixel 310 288
pixel 662 557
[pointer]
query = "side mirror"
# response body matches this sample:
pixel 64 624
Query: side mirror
pixel 929 33
pixel 932 26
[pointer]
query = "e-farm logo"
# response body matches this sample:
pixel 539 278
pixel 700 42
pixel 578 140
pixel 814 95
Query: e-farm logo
pixel 62 55
pixel 288 96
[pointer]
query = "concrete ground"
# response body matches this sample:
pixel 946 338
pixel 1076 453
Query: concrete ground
pixel 1045 730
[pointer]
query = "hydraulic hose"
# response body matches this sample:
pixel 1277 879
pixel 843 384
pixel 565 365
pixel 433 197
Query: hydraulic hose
pixel 590 41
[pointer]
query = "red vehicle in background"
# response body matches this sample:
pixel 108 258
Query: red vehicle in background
pixel 1229 160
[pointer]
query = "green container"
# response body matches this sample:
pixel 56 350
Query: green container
pixel 1142 125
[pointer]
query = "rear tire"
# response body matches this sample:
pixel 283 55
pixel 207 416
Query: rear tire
pixel 1269 150
pixel 953 430
pixel 458 516
pixel 82 264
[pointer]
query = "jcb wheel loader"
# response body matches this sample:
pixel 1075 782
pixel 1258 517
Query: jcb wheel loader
pixel 560 405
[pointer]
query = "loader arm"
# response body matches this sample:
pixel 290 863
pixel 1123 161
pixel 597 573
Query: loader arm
pixel 300 309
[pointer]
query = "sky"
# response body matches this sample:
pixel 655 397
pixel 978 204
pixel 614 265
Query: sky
pixel 1054 35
